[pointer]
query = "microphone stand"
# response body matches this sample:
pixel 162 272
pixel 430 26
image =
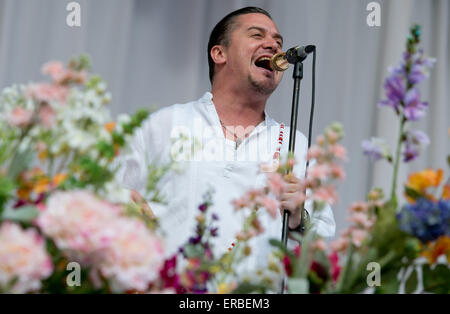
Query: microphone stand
pixel 298 76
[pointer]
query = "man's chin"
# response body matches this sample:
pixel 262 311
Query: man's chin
pixel 263 87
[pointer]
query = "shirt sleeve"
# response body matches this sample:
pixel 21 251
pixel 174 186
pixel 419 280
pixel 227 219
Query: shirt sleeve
pixel 145 148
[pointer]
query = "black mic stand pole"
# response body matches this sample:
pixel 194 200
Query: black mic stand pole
pixel 297 75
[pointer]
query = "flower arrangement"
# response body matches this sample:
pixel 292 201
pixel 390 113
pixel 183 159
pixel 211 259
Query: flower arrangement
pixel 58 200
pixel 59 204
pixel 396 240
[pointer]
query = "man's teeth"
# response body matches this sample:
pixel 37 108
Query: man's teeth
pixel 264 58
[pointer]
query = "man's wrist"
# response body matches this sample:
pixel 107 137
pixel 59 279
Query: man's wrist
pixel 302 225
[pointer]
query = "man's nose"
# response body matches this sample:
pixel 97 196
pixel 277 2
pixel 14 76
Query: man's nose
pixel 272 44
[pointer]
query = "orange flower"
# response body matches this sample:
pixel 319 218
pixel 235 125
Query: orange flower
pixel 422 180
pixel 42 185
pixel 58 179
pixel 446 192
pixel 42 155
pixel 110 126
pixel 436 249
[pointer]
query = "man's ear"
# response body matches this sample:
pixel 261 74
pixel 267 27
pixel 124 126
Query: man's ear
pixel 218 54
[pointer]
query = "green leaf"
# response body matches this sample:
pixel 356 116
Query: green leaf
pixel 23 214
pixel 246 288
pixel 19 163
pixel 298 285
pixel 412 193
pixel 278 244
pixel 192 251
pixel 436 280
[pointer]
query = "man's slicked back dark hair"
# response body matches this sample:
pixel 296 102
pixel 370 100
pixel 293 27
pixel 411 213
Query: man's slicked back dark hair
pixel 220 33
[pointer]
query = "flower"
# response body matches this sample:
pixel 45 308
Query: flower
pixel 271 205
pixel 55 69
pixel 335 268
pixel 426 219
pixel 45 92
pixel 61 75
pixel 319 171
pixel 413 141
pixel 436 249
pixel 414 108
pixel 326 194
pixel 395 92
pixel 133 257
pixel 79 222
pixel 423 180
pixel 24 261
pixel 95 233
pixel 338 151
pixel 47 116
pixel 276 184
pixel 20 117
pixel 340 244
pixel 376 149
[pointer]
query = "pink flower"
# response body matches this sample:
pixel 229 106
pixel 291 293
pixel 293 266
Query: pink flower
pixel 338 151
pixel 320 140
pixel 335 268
pixel 20 117
pixel 61 75
pixel 362 220
pixel 276 184
pixel 337 171
pixel 47 116
pixel 358 207
pixel 96 234
pixel 240 203
pixel 296 201
pixel 44 92
pixel 319 244
pixel 358 236
pixel 77 221
pixel 319 171
pixel 23 257
pixel 269 204
pixel 332 136
pixel 315 152
pixel 55 69
pixel 326 194
pixel 340 244
pixel 133 258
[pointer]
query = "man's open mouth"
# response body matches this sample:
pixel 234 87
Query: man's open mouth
pixel 264 62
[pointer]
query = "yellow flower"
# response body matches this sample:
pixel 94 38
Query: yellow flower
pixel 224 287
pixel 422 180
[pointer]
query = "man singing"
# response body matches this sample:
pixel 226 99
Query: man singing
pixel 236 136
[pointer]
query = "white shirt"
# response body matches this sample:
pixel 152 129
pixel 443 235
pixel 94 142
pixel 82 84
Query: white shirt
pixel 218 164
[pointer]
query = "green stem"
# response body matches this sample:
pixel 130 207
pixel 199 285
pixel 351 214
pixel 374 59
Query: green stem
pixel 396 164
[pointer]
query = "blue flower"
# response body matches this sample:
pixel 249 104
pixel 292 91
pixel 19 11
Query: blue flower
pixel 426 220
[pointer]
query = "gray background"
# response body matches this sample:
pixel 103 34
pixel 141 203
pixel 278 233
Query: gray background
pixel 154 53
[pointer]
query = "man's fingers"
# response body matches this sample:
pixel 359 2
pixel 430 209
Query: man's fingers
pixel 140 201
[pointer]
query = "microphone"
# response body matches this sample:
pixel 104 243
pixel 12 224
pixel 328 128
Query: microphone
pixel 280 61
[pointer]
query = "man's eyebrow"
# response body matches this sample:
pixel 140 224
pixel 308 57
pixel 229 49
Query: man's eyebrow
pixel 262 30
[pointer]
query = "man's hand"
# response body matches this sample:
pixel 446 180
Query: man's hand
pixel 143 205
pixel 289 200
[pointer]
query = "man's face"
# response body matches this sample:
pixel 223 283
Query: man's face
pixel 254 39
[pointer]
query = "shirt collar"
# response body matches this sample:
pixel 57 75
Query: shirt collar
pixel 207 100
